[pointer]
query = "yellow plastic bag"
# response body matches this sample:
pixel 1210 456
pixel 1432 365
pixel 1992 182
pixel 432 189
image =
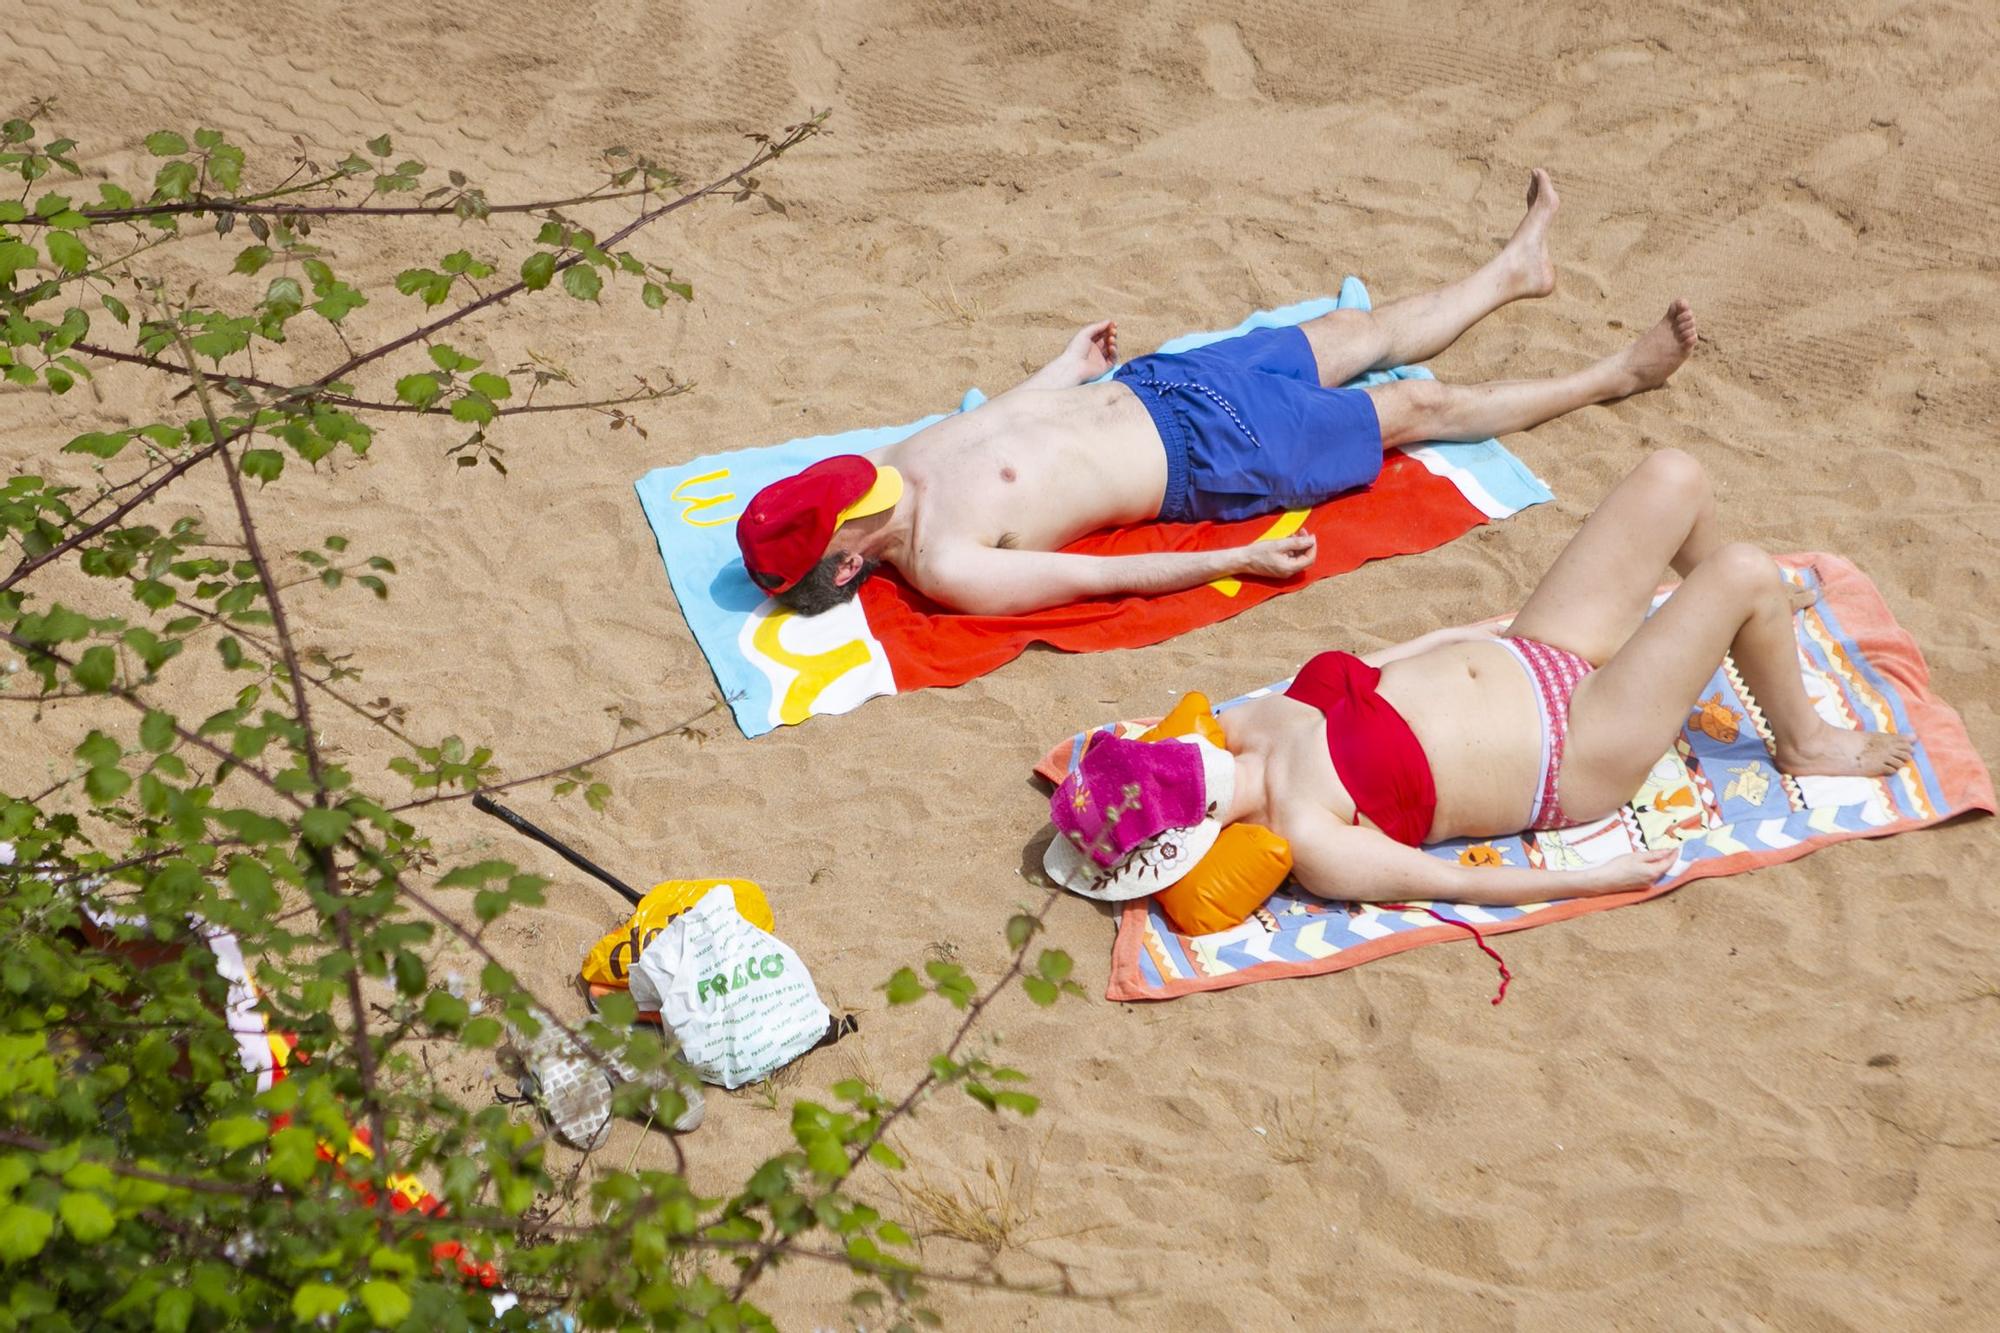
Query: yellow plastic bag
pixel 609 964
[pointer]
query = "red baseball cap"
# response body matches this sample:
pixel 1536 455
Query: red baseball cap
pixel 786 528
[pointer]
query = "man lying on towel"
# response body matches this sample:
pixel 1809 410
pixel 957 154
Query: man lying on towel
pixel 1467 733
pixel 974 510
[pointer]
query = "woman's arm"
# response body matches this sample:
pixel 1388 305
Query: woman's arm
pixel 1335 859
pixel 1437 638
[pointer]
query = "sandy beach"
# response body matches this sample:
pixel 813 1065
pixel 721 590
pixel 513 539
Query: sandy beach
pixel 1762 1102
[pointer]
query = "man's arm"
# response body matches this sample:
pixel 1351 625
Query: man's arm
pixel 1335 859
pixel 991 581
pixel 1091 351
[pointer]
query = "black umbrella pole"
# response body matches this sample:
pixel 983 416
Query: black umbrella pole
pixel 487 805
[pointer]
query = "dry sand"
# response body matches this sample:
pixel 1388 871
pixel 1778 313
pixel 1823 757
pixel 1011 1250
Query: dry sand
pixel 1762 1102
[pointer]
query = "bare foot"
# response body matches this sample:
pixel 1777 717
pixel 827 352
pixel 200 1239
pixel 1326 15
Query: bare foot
pixel 1657 353
pixel 1526 253
pixel 1838 752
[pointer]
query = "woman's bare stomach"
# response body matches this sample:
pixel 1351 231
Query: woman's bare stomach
pixel 1037 468
pixel 1474 712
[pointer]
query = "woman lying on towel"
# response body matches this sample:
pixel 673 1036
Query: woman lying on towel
pixel 1474 733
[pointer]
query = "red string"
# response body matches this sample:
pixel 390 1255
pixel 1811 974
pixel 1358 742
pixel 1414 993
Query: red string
pixel 1477 938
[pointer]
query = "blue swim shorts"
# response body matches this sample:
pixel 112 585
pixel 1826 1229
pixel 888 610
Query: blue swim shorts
pixel 1249 431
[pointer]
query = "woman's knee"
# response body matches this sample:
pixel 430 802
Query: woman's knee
pixel 1744 567
pixel 1675 475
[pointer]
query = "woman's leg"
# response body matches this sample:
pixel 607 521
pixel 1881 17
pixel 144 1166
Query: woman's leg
pixel 1599 589
pixel 1414 411
pixel 1417 328
pixel 1625 716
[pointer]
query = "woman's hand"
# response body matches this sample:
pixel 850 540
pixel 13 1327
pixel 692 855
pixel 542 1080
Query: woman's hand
pixel 1634 870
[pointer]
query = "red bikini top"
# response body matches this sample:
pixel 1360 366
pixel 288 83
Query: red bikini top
pixel 1377 756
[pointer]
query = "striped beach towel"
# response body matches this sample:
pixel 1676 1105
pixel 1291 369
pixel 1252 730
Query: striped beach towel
pixel 777 669
pixel 1716 796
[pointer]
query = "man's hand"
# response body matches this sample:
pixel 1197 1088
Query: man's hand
pixel 1093 350
pixel 1280 559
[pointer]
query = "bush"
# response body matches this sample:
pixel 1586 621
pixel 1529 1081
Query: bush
pixel 149 1176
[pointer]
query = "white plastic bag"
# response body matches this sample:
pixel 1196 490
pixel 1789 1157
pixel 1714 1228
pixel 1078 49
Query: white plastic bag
pixel 740 1002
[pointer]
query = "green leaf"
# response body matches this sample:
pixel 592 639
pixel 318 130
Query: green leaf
pixel 176 180
pixel 324 828
pixel 388 1304
pixel 473 408
pixel 482 1032
pixel 263 464
pixel 340 301
pixel 68 252
pixel 99 444
pixel 156 733
pixel 582 282
pixel 472 876
pixel 172 1310
pixel 429 284
pixel 251 258
pixel 165 143
pixel 232 1133
pixel 449 358
pixel 444 1010
pixel 86 1216
pixel 98 749
pixel 251 883
pixel 106 784
pixel 17 255
pixel 225 166
pixel 420 390
pixel 380 146
pixel 294 1156
pixel 96 669
pixel 315 1300
pixel 495 387
pixel 1054 964
pixel 904 987
pixel 536 270
pixel 1041 992
pixel 116 307
pixel 653 295
pixel 23 1231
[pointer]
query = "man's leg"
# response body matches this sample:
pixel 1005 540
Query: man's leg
pixel 1413 411
pixel 1417 328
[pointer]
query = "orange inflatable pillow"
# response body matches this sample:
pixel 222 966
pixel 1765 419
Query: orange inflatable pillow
pixel 1192 715
pixel 1247 863
pixel 1246 866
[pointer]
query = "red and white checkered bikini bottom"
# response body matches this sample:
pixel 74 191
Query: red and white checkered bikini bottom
pixel 1554 673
